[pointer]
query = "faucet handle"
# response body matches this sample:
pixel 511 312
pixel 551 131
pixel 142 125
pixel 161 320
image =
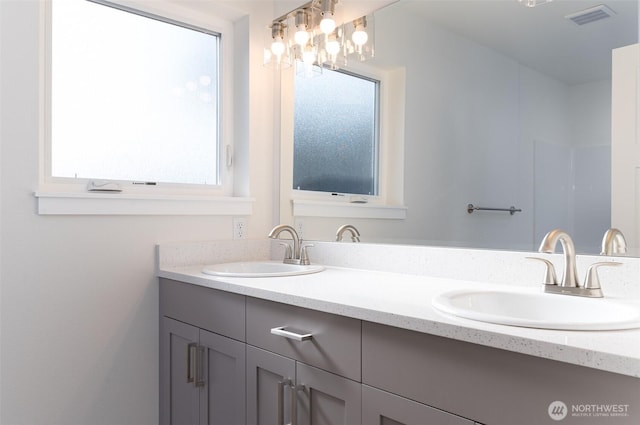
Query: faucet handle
pixel 549 273
pixel 304 255
pixel 592 280
pixel 287 250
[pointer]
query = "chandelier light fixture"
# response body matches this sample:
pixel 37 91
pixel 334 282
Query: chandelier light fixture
pixel 314 37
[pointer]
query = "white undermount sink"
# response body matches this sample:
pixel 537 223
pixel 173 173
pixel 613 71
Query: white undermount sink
pixel 540 310
pixel 260 269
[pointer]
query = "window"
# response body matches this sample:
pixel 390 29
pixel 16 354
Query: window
pixel 343 137
pixel 336 133
pixel 134 97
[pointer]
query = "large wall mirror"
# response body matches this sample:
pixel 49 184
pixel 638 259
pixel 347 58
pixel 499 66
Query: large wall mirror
pixel 505 105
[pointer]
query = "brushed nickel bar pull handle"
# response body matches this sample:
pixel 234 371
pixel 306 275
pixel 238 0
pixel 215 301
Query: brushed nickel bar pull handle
pixel 280 331
pixel 294 405
pixel 281 385
pixel 190 355
pixel 200 353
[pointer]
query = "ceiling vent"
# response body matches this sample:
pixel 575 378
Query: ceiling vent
pixel 592 14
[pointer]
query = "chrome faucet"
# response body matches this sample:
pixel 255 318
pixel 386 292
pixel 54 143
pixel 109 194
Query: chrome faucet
pixel 355 235
pixel 299 253
pixel 569 283
pixel 613 242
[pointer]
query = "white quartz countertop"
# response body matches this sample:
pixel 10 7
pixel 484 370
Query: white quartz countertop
pixel 404 301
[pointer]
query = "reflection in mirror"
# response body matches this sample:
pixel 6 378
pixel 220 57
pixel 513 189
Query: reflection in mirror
pixel 505 105
pixel 333 154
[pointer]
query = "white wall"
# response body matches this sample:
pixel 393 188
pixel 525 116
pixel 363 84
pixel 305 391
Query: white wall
pixel 472 117
pixel 572 171
pixel 546 136
pixel 590 108
pixel 625 152
pixel 79 305
pixel 572 162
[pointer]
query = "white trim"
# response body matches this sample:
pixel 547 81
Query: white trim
pixel 61 203
pixel 304 208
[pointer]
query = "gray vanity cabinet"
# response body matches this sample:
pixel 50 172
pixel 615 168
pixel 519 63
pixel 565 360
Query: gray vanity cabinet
pixel 230 359
pixel 279 388
pixel 222 396
pixel 282 378
pixel 180 398
pixel 333 343
pixel 202 373
pixel 487 384
pixel 381 407
pixel 269 384
pixel 206 374
pixel 326 399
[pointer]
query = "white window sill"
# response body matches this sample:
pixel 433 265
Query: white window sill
pixel 60 203
pixel 305 208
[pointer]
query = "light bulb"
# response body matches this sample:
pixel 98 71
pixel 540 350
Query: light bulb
pixel 301 36
pixel 309 57
pixel 277 35
pixel 327 24
pixel 359 37
pixel 301 23
pixel 277 47
pixel 333 47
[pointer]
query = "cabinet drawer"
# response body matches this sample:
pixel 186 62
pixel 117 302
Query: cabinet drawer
pixel 334 344
pixel 381 407
pixel 485 384
pixel 216 311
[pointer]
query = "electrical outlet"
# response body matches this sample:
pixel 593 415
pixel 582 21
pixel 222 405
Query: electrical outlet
pixel 239 228
pixel 298 225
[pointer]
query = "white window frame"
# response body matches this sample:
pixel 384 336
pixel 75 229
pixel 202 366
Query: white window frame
pixel 388 204
pixel 58 195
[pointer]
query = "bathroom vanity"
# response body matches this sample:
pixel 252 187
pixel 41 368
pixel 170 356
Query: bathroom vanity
pixel 353 346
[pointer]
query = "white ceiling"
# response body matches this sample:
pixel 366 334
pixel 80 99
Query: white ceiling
pixel 539 37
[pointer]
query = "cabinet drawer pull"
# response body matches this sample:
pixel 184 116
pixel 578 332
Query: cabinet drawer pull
pixel 280 420
pixel 200 353
pixel 191 350
pixel 294 403
pixel 280 331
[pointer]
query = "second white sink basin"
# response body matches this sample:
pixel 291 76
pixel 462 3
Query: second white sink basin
pixel 260 269
pixel 540 310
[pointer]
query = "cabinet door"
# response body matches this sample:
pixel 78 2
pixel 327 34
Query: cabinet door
pixel 178 394
pixel 326 399
pixel 268 398
pixel 381 407
pixel 221 379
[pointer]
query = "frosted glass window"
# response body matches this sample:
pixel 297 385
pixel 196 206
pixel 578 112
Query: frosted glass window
pixel 336 134
pixel 133 97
